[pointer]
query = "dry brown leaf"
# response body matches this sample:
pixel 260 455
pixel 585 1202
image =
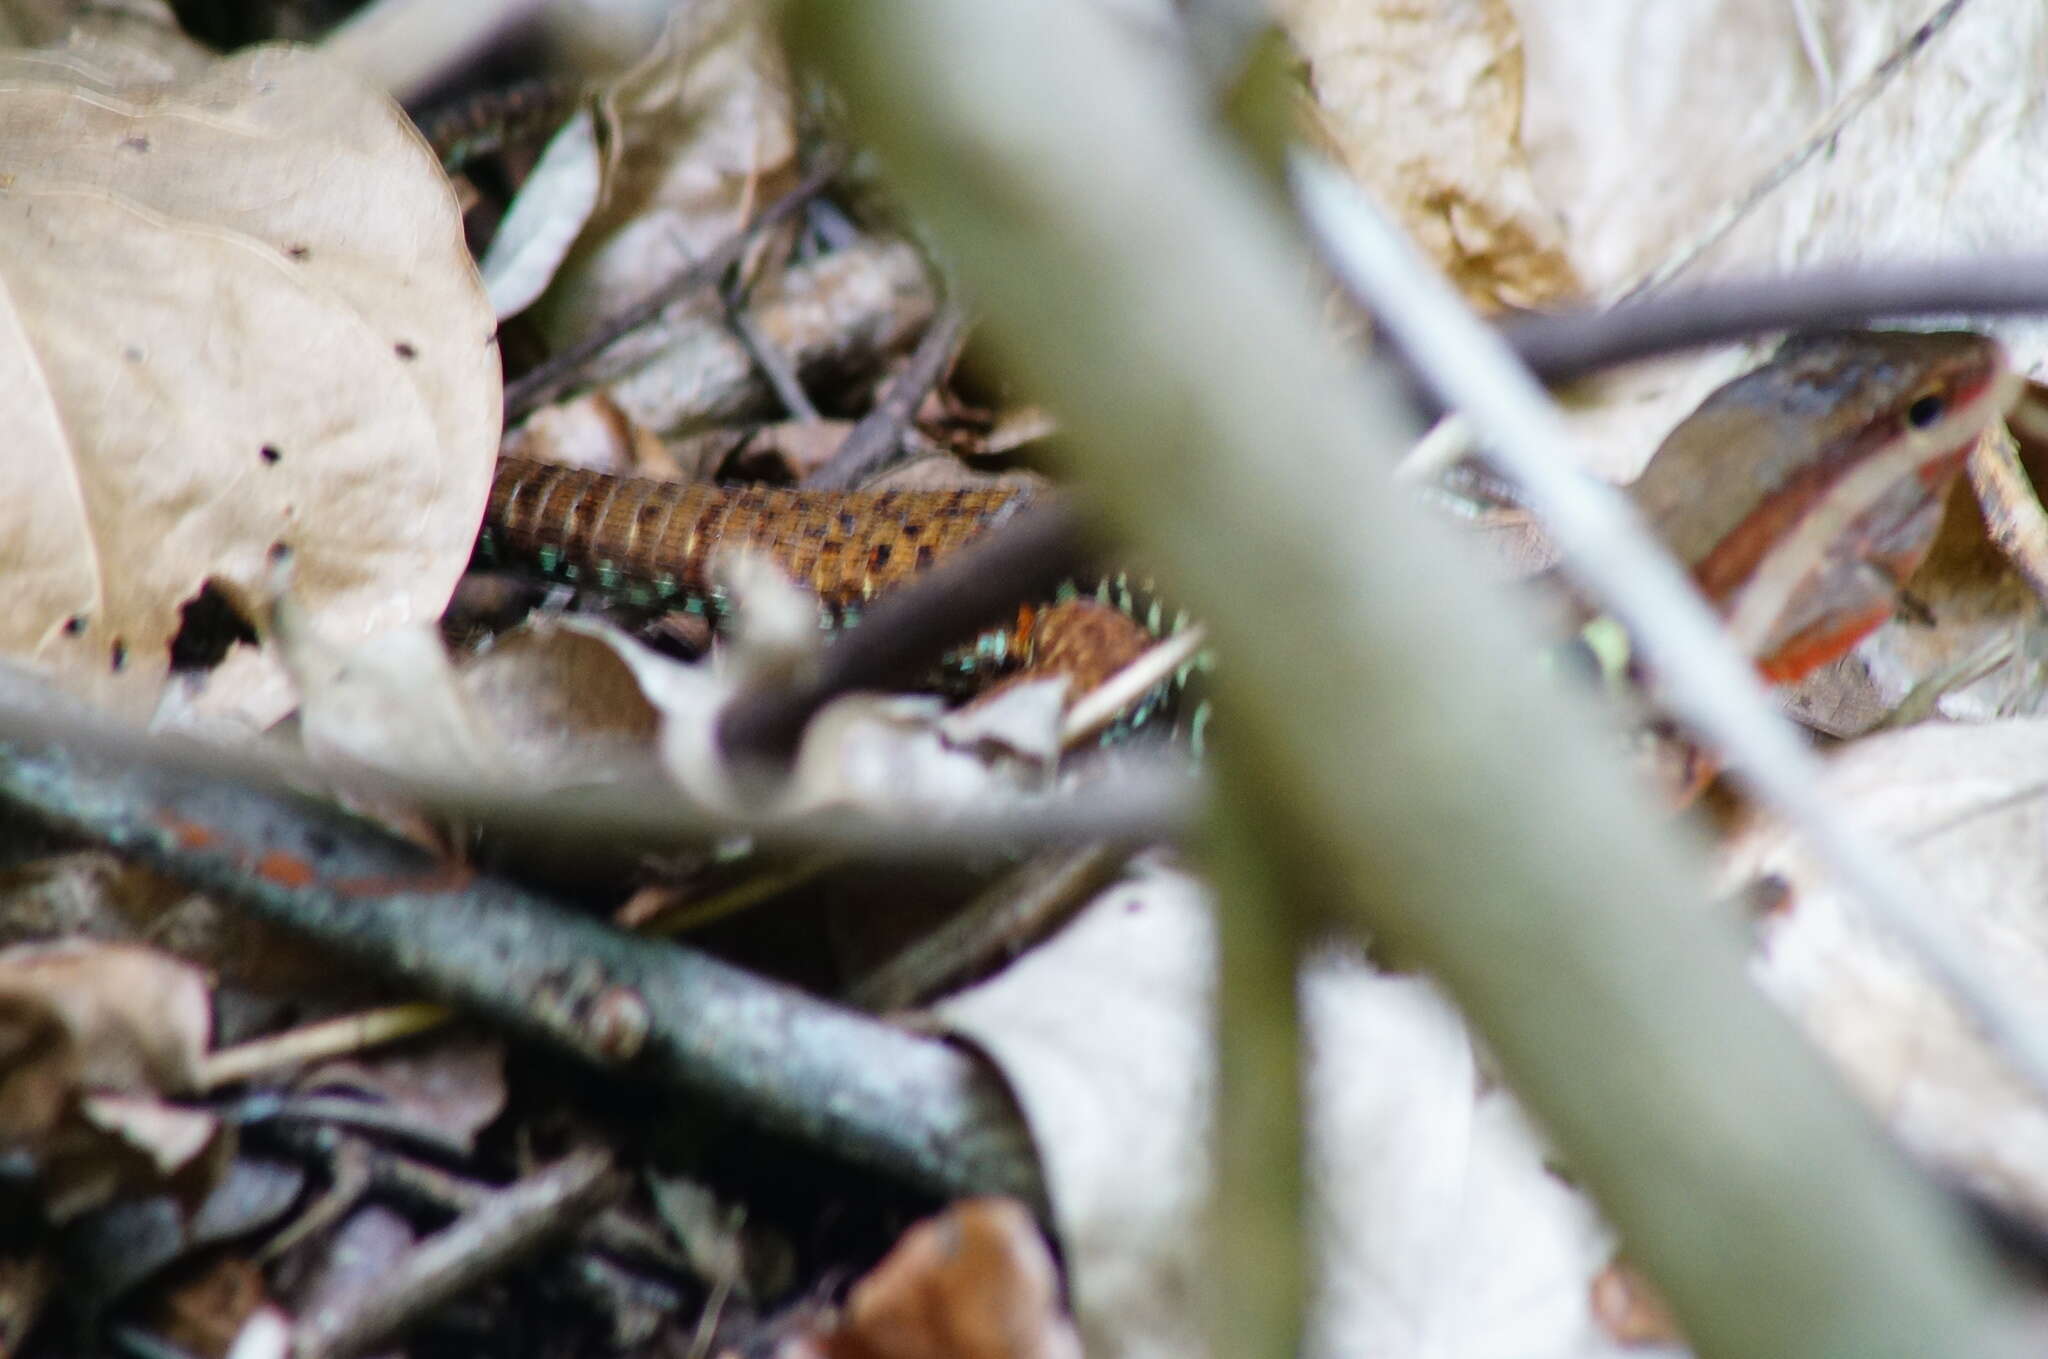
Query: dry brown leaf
pixel 559 706
pixel 363 1250
pixel 387 705
pixel 579 699
pixel 203 1313
pixel 90 1036
pixel 568 702
pixel 1644 123
pixel 590 431
pixel 791 449
pixel 1424 103
pixel 34 23
pixel 26 23
pixel 451 1083
pixel 235 310
pixel 1631 1310
pixel 28 1277
pixel 169 1136
pixel 102 1017
pixel 701 132
pixel 976 1282
pixel 950 474
pixel 1020 720
pixel 548 706
pixel 85 892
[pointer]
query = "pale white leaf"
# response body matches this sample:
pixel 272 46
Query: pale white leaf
pixel 1968 807
pixel 236 310
pixel 545 218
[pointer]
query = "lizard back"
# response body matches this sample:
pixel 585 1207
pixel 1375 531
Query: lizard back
pixel 652 542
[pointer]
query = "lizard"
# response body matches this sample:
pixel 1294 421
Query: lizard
pixel 1802 495
pixel 1814 482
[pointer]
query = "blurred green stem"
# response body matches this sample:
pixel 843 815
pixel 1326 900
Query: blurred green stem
pixel 1380 701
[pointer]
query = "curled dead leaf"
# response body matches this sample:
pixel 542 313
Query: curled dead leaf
pixel 1424 103
pixel 975 1282
pixel 91 1035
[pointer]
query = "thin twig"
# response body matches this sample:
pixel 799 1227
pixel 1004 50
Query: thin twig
pixel 773 363
pixel 878 438
pixel 422 1187
pixel 507 1227
pixel 347 1176
pixel 1116 695
pixel 707 1320
pixel 546 379
pixel 391 1122
pixel 627 819
pixel 1720 223
pixel 764 886
pixel 1812 43
pixel 1567 345
pixel 317 1042
pixel 1448 443
pixel 1024 906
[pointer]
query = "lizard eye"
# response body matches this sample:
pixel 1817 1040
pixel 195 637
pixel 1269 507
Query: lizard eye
pixel 1925 411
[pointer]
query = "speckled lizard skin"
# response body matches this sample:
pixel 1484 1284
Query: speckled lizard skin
pixel 651 542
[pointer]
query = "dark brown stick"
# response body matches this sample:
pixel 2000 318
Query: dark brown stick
pixel 911 1108
pixel 879 436
pixel 1569 345
pixel 505 1227
pixel 1023 907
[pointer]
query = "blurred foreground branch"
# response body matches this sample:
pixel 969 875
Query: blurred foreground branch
pixel 1382 703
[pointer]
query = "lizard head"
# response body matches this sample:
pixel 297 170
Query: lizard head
pixel 1852 392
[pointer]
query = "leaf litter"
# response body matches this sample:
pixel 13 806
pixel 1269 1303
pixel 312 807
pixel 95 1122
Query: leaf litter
pixel 1446 1229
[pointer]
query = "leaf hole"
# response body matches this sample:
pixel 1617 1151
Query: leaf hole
pixel 209 626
